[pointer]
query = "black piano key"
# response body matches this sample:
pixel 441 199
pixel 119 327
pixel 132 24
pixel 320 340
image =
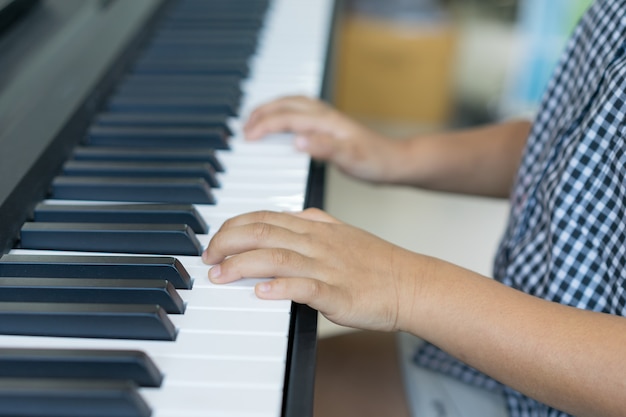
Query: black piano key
pixel 161 120
pixel 173 50
pixel 70 398
pixel 195 91
pixel 214 12
pixel 160 137
pixel 217 19
pixel 194 23
pixel 196 105
pixel 240 33
pixel 84 364
pixel 206 82
pixel 122 213
pixel 158 52
pixel 237 67
pixel 213 39
pixel 149 190
pixel 259 6
pixel 89 290
pixel 242 40
pixel 182 80
pixel 208 91
pixel 221 37
pixel 231 9
pixel 172 239
pixel 243 34
pixel 143 169
pixel 107 321
pixel 118 267
pixel 97 153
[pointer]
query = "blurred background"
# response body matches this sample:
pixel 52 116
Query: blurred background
pixel 442 62
pixel 406 67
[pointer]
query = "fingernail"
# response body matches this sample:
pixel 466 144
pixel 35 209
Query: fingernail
pixel 215 273
pixel 301 143
pixel 264 287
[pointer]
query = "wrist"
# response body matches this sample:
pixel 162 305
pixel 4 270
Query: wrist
pixel 408 161
pixel 413 293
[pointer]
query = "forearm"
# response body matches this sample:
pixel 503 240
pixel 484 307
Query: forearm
pixel 571 359
pixel 480 161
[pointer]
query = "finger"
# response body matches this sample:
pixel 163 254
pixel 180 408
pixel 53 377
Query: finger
pixel 261 263
pixel 297 222
pixel 290 103
pixel 280 219
pixel 286 120
pixel 284 107
pixel 320 145
pixel 301 103
pixel 314 293
pixel 247 237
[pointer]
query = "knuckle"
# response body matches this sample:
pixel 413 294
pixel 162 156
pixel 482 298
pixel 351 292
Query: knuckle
pixel 215 246
pixel 314 210
pixel 308 240
pixel 281 257
pixel 232 269
pixel 226 225
pixel 314 289
pixel 273 123
pixel 307 291
pixel 261 231
pixel 263 216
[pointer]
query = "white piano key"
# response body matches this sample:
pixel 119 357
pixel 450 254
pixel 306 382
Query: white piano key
pixel 237 321
pixel 199 344
pixel 227 204
pixel 190 401
pixel 270 166
pixel 283 187
pixel 283 182
pixel 221 371
pixel 253 152
pixel 242 204
pixel 208 295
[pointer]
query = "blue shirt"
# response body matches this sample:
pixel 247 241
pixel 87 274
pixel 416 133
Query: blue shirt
pixel 566 236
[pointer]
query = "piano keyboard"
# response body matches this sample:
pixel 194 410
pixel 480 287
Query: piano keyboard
pixel 163 166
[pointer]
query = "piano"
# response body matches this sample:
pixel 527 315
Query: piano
pixel 120 154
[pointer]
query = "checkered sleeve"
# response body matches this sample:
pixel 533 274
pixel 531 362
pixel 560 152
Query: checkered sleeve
pixel 566 237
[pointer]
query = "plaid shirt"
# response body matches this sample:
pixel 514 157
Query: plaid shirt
pixel 566 237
